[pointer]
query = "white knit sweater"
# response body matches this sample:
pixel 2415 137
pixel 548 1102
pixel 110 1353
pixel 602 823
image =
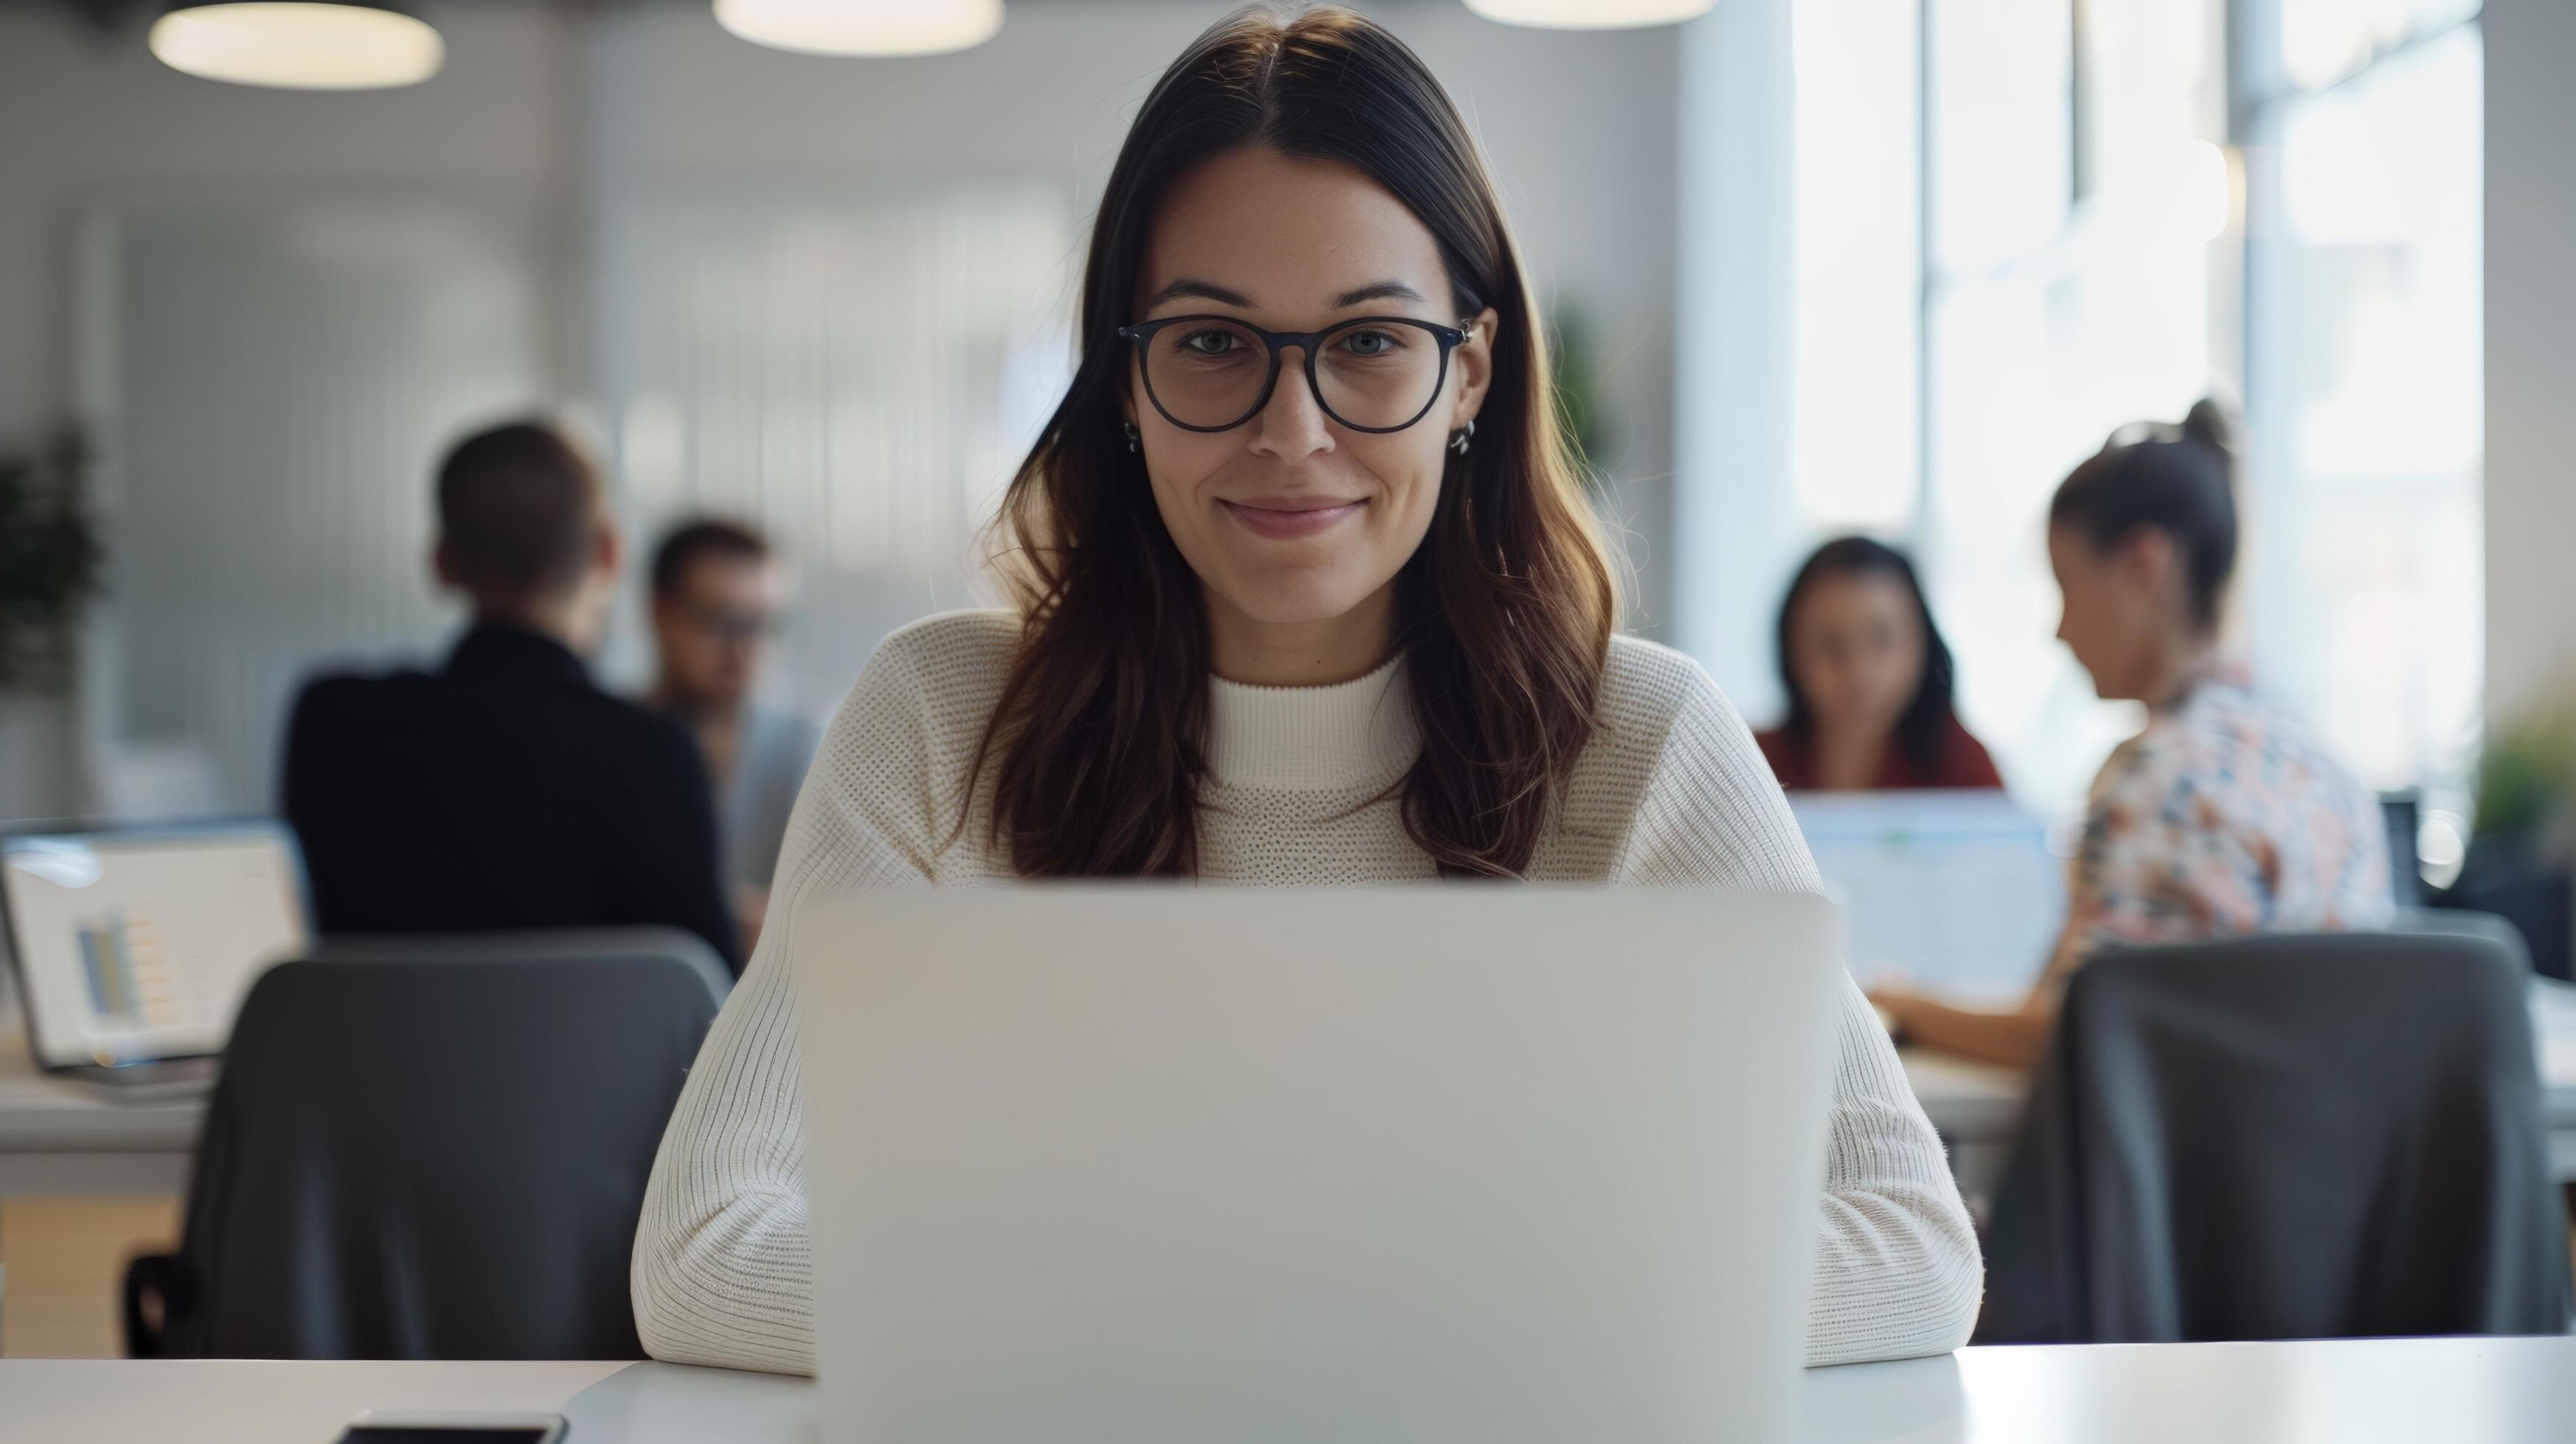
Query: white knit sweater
pixel 1670 791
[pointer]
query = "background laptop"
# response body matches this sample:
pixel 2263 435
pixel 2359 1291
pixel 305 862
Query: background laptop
pixel 134 948
pixel 1146 1163
pixel 1958 892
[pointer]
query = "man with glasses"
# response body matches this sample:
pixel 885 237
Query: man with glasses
pixel 718 594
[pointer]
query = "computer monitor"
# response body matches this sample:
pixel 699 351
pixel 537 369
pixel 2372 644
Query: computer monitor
pixel 1958 892
pixel 137 946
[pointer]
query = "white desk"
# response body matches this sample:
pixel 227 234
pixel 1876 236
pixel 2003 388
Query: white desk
pixel 59 1138
pixel 1976 1107
pixel 2497 1391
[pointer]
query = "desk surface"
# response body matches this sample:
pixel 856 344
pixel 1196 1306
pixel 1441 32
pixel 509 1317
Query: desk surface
pixel 2500 1391
pixel 59 1137
pixel 1976 1106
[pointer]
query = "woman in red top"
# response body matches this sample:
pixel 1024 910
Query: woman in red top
pixel 1868 679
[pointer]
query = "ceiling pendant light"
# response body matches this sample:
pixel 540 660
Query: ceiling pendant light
pixel 1591 14
pixel 299 44
pixel 863 27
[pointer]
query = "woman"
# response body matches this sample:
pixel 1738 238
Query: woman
pixel 1868 680
pixel 2222 817
pixel 1336 615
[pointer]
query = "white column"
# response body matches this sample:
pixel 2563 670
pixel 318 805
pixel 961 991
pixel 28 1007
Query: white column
pixel 2530 352
pixel 1734 508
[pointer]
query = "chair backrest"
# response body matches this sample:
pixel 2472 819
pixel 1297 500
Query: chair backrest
pixel 2403 815
pixel 436 1147
pixel 2294 1136
pixel 675 946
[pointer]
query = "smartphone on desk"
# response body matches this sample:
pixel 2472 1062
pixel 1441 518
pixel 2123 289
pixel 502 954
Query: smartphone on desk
pixel 439 1427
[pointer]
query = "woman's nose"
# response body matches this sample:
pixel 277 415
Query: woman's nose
pixel 1292 423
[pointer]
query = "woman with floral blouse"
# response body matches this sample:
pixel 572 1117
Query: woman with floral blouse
pixel 2222 817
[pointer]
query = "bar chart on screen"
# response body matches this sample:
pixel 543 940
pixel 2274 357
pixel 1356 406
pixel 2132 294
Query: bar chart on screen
pixel 127 965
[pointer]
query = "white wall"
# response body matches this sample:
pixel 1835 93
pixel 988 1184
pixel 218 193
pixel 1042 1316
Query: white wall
pixel 1580 128
pixel 587 113
pixel 2530 352
pixel 87 119
pixel 1584 132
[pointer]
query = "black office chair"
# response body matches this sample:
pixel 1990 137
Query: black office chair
pixel 2311 1136
pixel 432 1147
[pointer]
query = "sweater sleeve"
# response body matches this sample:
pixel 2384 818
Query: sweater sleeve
pixel 722 1271
pixel 1898 1272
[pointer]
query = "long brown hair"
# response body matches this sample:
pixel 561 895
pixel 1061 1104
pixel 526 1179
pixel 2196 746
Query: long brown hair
pixel 1504 613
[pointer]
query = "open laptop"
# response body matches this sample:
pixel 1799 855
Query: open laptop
pixel 1958 893
pixel 134 947
pixel 1154 1164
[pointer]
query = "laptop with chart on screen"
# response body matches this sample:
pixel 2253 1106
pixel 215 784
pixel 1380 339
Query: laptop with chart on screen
pixel 134 948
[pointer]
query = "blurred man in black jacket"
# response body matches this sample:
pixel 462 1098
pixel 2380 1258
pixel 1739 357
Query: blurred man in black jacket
pixel 505 791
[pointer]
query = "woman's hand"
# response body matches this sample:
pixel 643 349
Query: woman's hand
pixel 1895 1004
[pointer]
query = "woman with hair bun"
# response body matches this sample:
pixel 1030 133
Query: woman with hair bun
pixel 2223 817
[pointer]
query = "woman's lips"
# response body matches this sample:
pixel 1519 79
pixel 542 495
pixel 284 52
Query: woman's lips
pixel 1289 518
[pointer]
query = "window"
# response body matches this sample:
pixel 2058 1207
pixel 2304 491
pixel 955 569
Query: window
pixel 2364 344
pixel 1856 210
pixel 2016 225
pixel 2078 213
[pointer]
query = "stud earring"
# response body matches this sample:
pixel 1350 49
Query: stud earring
pixel 1458 443
pixel 1134 441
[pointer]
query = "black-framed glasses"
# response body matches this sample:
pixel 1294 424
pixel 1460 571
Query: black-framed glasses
pixel 736 629
pixel 1214 373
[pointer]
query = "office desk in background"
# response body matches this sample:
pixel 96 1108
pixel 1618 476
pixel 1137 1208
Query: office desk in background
pixel 1975 1107
pixel 65 1139
pixel 86 1182
pixel 2497 1391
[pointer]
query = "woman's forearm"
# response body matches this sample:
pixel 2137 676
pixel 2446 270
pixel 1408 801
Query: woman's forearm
pixel 2013 1039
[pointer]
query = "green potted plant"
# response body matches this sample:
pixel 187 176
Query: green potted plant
pixel 1578 387
pixel 2521 863
pixel 49 564
pixel 49 559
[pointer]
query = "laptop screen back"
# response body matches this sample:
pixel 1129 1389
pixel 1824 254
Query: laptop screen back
pixel 1157 1163
pixel 138 947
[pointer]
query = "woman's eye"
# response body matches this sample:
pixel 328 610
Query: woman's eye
pixel 1209 343
pixel 1370 343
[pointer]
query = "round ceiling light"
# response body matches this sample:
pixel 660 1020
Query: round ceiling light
pixel 1591 14
pixel 863 27
pixel 298 44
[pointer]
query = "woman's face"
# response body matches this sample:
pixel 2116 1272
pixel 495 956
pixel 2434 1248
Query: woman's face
pixel 1293 519
pixel 1856 648
pixel 2120 621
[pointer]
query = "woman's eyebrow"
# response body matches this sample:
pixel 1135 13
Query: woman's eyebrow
pixel 1377 291
pixel 1191 286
